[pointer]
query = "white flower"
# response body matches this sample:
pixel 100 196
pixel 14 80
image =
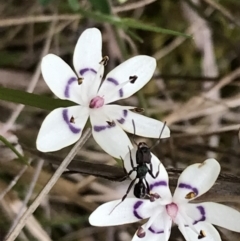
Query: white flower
pixel 194 220
pixel 63 126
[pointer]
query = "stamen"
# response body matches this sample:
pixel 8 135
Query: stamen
pixel 80 80
pixel 202 234
pixel 104 60
pixel 140 232
pixel 72 120
pixel 202 164
pixel 190 195
pixel 153 196
pixel 111 123
pixel 138 110
pixel 152 219
pixel 189 222
pixel 133 79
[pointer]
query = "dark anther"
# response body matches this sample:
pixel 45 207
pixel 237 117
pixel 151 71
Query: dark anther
pixel 201 234
pixel 111 123
pixel 153 196
pixel 190 195
pixel 104 60
pixel 138 110
pixel 72 119
pixel 80 80
pixel 202 164
pixel 133 79
pixel 140 232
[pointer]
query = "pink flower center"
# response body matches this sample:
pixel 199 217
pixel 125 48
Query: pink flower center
pixel 172 210
pixel 96 102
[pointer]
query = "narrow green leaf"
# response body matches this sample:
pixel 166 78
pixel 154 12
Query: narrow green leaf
pixel 101 5
pixel 39 101
pixel 135 36
pixel 11 147
pixel 128 23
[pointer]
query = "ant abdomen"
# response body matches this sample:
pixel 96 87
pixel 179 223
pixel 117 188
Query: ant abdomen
pixel 140 190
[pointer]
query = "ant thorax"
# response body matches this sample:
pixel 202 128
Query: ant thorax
pixel 142 171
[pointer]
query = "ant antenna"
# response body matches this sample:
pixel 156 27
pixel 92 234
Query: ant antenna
pixel 159 138
pixel 134 133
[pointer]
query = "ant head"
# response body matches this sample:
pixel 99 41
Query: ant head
pixel 143 154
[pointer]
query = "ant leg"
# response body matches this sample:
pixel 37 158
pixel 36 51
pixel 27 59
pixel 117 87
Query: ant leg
pixel 148 187
pixel 152 196
pixel 123 165
pixel 124 197
pixel 150 171
pixel 129 189
pixel 128 174
pixel 131 157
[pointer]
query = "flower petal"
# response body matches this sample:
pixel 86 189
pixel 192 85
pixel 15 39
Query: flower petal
pixel 88 51
pixel 111 138
pixel 159 230
pixel 141 66
pixel 196 179
pixel 57 131
pixel 210 232
pixel 217 214
pixel 129 211
pixel 60 78
pixel 144 126
pixel 157 185
pixel 86 58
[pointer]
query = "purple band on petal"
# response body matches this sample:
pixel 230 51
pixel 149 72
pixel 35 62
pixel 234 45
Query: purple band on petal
pixel 157 184
pixel 203 214
pixel 154 231
pixel 73 129
pixel 121 121
pixel 187 186
pixel 121 92
pixel 99 128
pixel 135 207
pixel 83 71
pixel 115 82
pixel 66 91
pixel 102 128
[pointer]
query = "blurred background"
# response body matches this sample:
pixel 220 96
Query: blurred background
pixel 195 89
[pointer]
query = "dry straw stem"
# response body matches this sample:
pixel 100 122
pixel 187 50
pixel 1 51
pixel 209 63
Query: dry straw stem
pixel 223 11
pixel 28 196
pixel 132 6
pixel 226 189
pixel 33 81
pixel 38 19
pixel 13 235
pixel 188 110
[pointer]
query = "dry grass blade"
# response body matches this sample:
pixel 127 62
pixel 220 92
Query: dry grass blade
pixel 13 235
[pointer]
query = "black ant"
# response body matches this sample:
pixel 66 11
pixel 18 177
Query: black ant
pixel 143 157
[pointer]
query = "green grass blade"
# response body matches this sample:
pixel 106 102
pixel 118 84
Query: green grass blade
pixel 11 147
pixel 128 23
pixel 38 101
